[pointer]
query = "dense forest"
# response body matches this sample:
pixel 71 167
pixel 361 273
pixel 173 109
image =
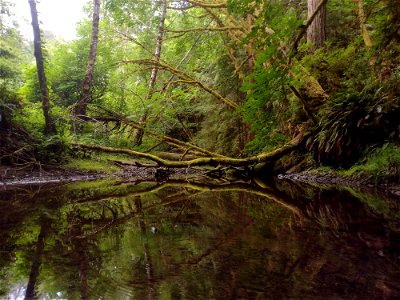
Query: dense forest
pixel 271 85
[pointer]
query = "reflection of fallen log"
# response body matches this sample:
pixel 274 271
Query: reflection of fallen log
pixel 154 187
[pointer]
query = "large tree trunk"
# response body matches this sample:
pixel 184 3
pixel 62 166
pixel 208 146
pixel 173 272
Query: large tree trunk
pixel 316 31
pixel 154 72
pixel 50 127
pixel 81 106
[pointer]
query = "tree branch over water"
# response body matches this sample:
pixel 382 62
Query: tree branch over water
pixel 203 161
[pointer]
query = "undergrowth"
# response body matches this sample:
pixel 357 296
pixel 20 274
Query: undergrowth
pixel 382 165
pixel 100 163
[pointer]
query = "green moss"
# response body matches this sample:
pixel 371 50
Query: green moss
pixel 381 164
pixel 100 165
pixel 96 184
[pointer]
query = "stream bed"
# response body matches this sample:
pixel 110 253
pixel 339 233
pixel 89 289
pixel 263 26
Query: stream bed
pixel 194 239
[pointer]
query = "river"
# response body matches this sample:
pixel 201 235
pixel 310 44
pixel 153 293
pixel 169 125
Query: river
pixel 192 239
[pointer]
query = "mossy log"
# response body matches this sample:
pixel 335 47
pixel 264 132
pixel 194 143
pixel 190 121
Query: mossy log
pixel 203 161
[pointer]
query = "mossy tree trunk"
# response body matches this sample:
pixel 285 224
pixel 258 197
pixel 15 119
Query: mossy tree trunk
pixel 81 106
pixel 50 127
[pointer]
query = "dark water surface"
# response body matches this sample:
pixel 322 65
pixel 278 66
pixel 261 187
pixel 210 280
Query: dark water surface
pixel 190 240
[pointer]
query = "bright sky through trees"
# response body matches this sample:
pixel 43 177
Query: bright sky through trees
pixel 57 16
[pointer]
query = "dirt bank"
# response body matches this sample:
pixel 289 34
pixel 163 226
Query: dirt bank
pixel 318 177
pixel 15 176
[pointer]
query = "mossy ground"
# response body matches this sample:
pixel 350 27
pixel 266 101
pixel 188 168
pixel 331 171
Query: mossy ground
pixel 379 167
pixel 99 164
pixel 382 165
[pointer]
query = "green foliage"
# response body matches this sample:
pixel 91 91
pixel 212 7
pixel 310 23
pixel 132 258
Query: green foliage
pixel 269 105
pixel 52 149
pixel 11 57
pixel 252 64
pixel 362 110
pixel 380 164
pixel 219 131
pixel 353 121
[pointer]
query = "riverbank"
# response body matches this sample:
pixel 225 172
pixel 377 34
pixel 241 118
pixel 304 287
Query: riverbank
pixel 336 178
pixel 10 176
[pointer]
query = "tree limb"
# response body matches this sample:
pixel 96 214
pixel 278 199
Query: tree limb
pixel 226 28
pixel 207 4
pixel 203 161
pixel 184 76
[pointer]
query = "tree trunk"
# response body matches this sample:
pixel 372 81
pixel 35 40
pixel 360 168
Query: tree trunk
pixel 81 106
pixel 50 127
pixel 362 20
pixel 316 31
pixel 154 72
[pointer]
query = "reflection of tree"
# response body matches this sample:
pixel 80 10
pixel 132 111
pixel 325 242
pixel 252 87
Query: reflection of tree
pixel 151 293
pixel 235 240
pixel 80 248
pixel 37 259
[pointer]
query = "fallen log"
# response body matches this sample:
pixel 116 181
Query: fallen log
pixel 270 157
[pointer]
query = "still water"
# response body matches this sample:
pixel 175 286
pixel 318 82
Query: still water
pixel 194 240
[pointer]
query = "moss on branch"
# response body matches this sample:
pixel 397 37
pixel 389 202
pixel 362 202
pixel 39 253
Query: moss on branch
pixel 202 161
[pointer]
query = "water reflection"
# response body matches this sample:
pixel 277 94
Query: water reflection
pixel 196 240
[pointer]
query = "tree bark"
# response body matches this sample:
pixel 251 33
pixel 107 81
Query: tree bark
pixel 362 19
pixel 81 106
pixel 154 71
pixel 316 31
pixel 50 127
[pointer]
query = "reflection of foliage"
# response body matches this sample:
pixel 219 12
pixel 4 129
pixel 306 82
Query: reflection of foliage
pixel 208 241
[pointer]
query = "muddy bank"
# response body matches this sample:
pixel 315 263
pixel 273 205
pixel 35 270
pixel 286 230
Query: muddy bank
pixel 10 176
pixel 316 177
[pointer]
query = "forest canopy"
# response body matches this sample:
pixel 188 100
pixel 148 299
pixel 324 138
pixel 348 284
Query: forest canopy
pixel 234 82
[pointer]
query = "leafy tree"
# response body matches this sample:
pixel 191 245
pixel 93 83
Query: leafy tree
pixel 12 56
